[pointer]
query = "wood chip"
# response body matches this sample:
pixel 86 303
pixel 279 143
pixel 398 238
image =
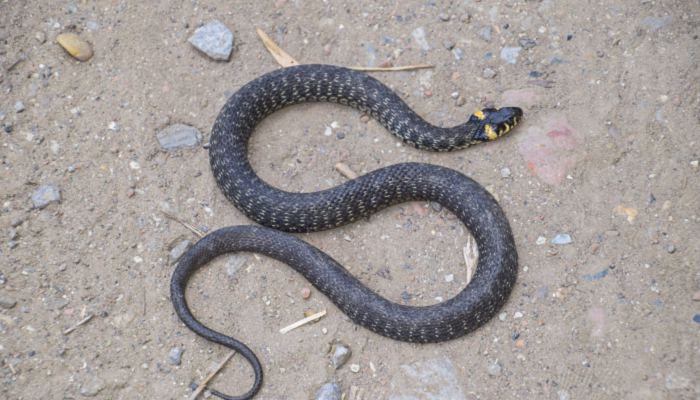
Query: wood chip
pixel 202 386
pixel 280 55
pixel 345 170
pixel 304 321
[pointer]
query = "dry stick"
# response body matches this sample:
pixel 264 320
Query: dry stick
pixel 304 321
pixel 345 170
pixel 284 59
pixel 202 386
pixel 81 322
pixel 185 224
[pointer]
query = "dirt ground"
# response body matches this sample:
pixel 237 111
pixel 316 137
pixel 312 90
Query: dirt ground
pixel 607 154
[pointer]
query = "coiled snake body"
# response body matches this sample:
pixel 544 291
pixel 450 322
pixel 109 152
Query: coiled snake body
pixel 305 212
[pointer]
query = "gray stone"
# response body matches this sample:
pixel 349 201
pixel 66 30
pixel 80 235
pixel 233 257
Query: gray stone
pixel 45 195
pixel 488 73
pixel 444 17
pixel 458 53
pixel 510 54
pixel 485 33
pixel 178 136
pixel 329 391
pixel 178 250
pixel 12 234
pixel 213 39
pixel 563 395
pixel 175 355
pixel 505 172
pixel 92 387
pixel 562 238
pixel 671 249
pixel 341 355
pixel 430 379
pixel 7 302
pixel 419 36
pixel 19 106
pixel 234 263
pixel 494 369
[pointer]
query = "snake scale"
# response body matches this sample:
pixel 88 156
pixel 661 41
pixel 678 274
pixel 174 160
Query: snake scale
pixel 279 210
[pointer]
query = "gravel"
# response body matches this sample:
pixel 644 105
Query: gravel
pixel 527 43
pixel 19 106
pixel 45 195
pixel 92 387
pixel 213 39
pixel 175 355
pixel 562 238
pixel 494 369
pixel 485 33
pixel 488 73
pixel 179 136
pixel 7 302
pixel 419 36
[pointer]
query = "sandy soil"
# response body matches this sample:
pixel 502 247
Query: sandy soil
pixel 608 154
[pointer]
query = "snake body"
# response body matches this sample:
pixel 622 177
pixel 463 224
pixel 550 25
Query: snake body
pixel 279 210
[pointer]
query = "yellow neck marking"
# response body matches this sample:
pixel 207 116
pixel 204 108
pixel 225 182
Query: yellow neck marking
pixel 490 133
pixel 480 114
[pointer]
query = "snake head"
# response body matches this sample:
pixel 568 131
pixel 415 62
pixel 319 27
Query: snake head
pixel 495 122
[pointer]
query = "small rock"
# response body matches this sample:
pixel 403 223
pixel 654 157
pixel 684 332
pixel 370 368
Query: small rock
pixel 355 368
pixel 510 54
pixel 305 293
pixel 562 238
pixel 19 106
pixel 517 315
pixel 7 302
pixel 75 46
pixel 341 354
pixel 695 163
pixel 563 395
pixel 460 101
pixel 488 73
pixel 449 45
pixel 485 33
pixel 449 277
pixel 505 172
pixel 234 263
pixel 45 195
pixel 502 316
pixel 178 136
pixel 12 244
pixel 178 250
pixel 527 43
pixel 444 17
pixel 671 249
pixel 175 355
pixel 696 318
pixel 329 391
pixel 494 369
pixel 458 53
pixel 92 387
pixel 541 240
pixel 40 37
pixel 419 36
pixel 12 234
pixel 213 39
pixel 113 126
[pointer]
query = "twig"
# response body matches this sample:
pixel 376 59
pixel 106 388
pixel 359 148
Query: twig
pixel 389 69
pixel 185 224
pixel 345 170
pixel 202 386
pixel 81 322
pixel 304 321
pixel 280 55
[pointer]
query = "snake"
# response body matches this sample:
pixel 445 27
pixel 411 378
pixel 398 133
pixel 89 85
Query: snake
pixel 281 212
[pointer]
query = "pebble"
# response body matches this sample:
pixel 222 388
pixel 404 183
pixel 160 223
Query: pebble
pixel 444 17
pixel 19 106
pixel 671 249
pixel 12 244
pixel 305 293
pixel 175 355
pixel 494 369
pixel 517 315
pixel 213 39
pixel 696 318
pixel 40 37
pixel 695 163
pixel 7 302
pixel 458 53
pixel 113 126
pixel 329 391
pixel 541 240
pixel 178 250
pixel 563 395
pixel 527 43
pixel 562 238
pixel 92 387
pixel 355 368
pixel 75 46
pixel 341 354
pixel 419 36
pixel 449 45
pixel 510 54
pixel 505 172
pixel 485 33
pixel 449 277
pixel 178 136
pixel 488 73
pixel 12 234
pixel 45 195
pixel 502 316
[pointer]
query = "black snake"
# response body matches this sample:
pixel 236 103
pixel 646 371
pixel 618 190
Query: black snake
pixel 305 212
